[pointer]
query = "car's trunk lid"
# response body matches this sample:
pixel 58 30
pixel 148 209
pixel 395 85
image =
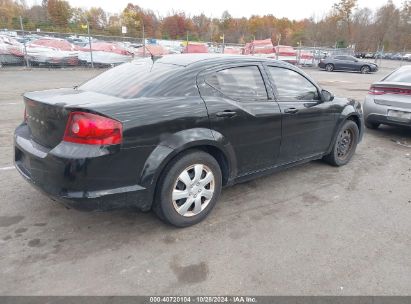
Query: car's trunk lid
pixel 395 94
pixel 47 112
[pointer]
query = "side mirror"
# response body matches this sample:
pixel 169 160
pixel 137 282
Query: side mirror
pixel 326 96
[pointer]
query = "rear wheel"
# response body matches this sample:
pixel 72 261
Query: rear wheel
pixel 189 189
pixel 365 69
pixel 372 125
pixel 329 67
pixel 345 144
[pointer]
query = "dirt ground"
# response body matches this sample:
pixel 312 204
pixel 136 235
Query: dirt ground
pixel 310 230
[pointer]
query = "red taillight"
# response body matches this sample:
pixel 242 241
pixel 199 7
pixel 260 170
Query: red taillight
pixel 92 129
pixel 382 91
pixel 376 91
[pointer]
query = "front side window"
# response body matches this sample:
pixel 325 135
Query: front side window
pixel 292 86
pixel 239 83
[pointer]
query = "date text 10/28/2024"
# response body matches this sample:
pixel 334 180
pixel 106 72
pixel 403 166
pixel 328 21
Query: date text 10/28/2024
pixel 205 299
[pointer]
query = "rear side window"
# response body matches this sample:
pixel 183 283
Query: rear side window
pixel 401 75
pixel 239 83
pixel 292 86
pixel 130 80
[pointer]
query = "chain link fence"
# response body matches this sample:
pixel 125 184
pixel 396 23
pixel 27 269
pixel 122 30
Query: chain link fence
pixel 55 49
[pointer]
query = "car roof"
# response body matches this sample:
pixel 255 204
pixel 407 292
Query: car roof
pixel 206 58
pixel 203 61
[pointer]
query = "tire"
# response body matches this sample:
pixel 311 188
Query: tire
pixel 202 193
pixel 340 154
pixel 372 125
pixel 365 69
pixel 329 67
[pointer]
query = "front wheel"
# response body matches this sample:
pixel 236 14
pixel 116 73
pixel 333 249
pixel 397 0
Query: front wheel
pixel 188 189
pixel 344 145
pixel 365 69
pixel 329 67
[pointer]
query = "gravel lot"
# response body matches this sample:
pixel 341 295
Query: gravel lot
pixel 310 230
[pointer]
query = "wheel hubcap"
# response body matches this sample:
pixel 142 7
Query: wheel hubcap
pixel 344 143
pixel 193 190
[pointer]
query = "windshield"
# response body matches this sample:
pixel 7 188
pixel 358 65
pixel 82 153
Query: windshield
pixel 401 75
pixel 129 80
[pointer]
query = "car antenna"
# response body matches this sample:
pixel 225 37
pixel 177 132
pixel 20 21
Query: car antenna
pixel 153 57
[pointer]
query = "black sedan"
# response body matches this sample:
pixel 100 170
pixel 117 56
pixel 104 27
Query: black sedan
pixel 347 63
pixel 168 135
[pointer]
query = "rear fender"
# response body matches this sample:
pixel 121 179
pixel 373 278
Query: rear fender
pixel 181 141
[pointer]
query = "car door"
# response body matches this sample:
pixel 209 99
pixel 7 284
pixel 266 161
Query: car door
pixel 308 123
pixel 344 63
pixel 352 63
pixel 338 62
pixel 242 110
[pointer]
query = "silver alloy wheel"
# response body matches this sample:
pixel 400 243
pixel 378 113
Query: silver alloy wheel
pixel 193 190
pixel 365 70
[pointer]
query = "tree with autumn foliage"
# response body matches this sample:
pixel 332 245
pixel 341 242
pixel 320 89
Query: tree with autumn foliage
pixel 60 12
pixel 345 24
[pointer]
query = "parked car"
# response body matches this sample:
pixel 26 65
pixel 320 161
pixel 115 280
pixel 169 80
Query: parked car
pixel 306 58
pixel 259 47
pixel 52 51
pixel 11 51
pixel 347 63
pixel 168 135
pixel 369 55
pixel 397 56
pixel 378 55
pixel 195 47
pixel 359 55
pixel 407 57
pixel 389 100
pixel 285 53
pixel 265 48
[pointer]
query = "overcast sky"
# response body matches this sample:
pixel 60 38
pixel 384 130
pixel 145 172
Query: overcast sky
pixel 292 9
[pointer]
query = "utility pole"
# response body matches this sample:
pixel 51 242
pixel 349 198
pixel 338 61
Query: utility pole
pixel 24 42
pixel 187 42
pixel 144 37
pixel 402 56
pixel 89 43
pixel 223 37
pixel 278 45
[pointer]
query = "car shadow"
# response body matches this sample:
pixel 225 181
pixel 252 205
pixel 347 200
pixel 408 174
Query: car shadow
pixel 396 132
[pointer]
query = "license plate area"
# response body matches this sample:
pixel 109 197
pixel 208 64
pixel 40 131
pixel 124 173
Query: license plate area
pixel 398 115
pixel 22 162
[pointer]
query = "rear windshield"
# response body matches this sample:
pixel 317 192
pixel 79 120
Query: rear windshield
pixel 400 75
pixel 130 80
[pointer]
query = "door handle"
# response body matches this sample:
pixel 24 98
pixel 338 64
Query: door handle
pixel 226 113
pixel 291 110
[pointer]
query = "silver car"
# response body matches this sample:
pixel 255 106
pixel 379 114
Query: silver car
pixel 389 100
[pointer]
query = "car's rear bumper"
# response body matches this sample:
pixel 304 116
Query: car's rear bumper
pixel 82 180
pixel 376 113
